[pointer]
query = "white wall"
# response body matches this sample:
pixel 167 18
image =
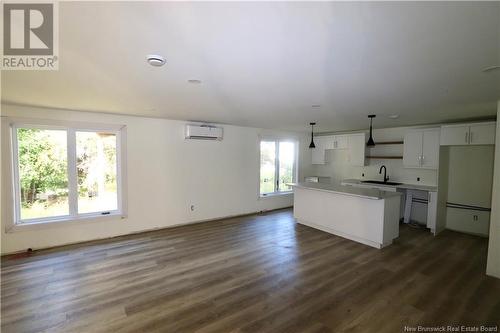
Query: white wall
pixel 338 168
pixel 166 174
pixel 493 267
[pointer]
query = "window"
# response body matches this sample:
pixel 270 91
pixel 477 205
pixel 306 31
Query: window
pixel 278 166
pixel 96 171
pixel 63 173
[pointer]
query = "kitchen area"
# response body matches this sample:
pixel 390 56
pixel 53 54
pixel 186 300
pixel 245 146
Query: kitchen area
pixel 441 175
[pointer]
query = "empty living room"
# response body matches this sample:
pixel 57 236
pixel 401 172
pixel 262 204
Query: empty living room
pixel 250 166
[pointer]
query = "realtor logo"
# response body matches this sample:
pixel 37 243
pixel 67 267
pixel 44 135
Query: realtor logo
pixel 29 36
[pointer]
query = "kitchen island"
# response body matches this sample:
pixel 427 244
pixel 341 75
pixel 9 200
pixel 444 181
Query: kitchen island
pixel 367 216
pixel 426 207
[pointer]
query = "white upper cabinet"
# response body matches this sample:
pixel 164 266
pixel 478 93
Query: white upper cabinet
pixel 421 148
pixel 454 135
pixel 482 134
pixel 468 134
pixel 329 141
pixel 336 141
pixel 340 141
pixel 412 149
pixel 430 148
pixel 318 153
pixel 357 145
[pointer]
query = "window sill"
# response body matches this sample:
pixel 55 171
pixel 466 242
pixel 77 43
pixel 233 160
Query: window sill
pixel 62 222
pixel 276 194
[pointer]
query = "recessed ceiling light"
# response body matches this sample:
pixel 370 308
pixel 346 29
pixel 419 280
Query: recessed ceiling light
pixel 491 68
pixel 194 81
pixel 394 116
pixel 156 60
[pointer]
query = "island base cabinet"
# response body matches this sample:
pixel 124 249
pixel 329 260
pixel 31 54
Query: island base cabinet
pixel 367 221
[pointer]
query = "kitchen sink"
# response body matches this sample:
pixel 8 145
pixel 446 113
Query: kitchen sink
pixel 379 182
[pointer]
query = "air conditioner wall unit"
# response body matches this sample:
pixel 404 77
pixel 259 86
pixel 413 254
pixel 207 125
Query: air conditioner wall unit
pixel 203 132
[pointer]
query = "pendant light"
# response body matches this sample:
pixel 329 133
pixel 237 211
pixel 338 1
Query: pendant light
pixel 370 142
pixel 312 145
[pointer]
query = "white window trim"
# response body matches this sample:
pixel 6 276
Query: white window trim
pixel 16 224
pixel 277 140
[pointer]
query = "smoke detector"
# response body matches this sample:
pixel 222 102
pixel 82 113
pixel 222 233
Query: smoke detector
pixel 156 60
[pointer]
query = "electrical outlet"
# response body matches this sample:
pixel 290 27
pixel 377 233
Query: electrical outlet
pixel 475 218
pixel 418 179
pixel 192 208
pixel 362 175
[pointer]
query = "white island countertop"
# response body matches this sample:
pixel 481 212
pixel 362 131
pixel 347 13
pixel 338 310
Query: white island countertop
pixel 367 193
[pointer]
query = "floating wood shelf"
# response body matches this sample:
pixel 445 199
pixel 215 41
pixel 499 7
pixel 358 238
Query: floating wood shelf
pixel 385 157
pixel 387 143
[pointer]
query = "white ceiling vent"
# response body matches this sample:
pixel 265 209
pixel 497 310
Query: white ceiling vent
pixel 203 132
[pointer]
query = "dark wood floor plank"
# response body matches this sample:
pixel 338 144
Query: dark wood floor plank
pixel 260 273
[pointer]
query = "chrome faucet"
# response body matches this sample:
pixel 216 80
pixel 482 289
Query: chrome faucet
pixel 385 173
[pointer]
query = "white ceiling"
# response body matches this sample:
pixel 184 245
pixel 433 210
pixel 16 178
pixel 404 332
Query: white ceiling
pixel 264 64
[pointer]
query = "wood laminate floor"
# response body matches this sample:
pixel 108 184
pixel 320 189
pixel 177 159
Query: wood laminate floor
pixel 260 273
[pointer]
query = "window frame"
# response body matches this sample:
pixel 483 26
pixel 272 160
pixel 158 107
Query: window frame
pixel 71 128
pixel 277 141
